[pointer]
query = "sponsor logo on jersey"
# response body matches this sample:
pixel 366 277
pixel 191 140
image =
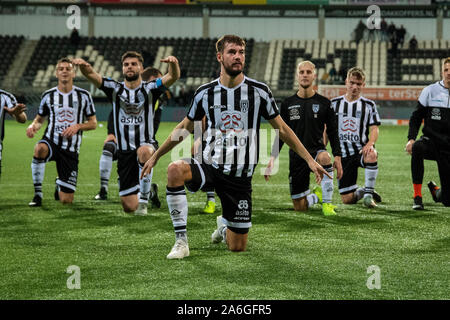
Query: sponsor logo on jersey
pixel 231 120
pixel 131 108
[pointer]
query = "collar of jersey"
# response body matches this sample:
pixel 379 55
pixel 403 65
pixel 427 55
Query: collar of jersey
pixel 65 94
pixel 345 99
pixel 226 88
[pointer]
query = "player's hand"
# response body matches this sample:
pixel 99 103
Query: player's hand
pixel 318 170
pixel 409 146
pixel 110 137
pixel 337 165
pixel 269 168
pixel 367 149
pixel 31 131
pixel 148 166
pixel 71 131
pixel 79 62
pixel 170 59
pixel 16 110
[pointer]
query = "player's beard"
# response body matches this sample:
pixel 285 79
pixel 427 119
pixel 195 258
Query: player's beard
pixel 231 72
pixel 132 78
pixel 306 86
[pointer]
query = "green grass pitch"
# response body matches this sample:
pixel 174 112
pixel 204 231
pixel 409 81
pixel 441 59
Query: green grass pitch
pixel 290 255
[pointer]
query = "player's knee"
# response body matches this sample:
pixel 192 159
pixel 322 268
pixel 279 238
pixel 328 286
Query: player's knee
pixel 324 158
pixel 418 148
pixel 176 171
pixel 41 151
pixel 144 153
pixel 128 207
pixel 110 147
pixel 370 158
pixel 66 198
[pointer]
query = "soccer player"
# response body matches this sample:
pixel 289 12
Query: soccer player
pixel 66 107
pixel 308 113
pixel 8 104
pixel 434 108
pixel 109 153
pixel 132 102
pixel 233 105
pixel 358 121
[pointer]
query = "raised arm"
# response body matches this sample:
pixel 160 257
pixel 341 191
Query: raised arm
pixel 88 72
pixel 173 73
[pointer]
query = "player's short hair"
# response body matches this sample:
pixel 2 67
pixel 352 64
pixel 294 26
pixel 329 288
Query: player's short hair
pixel 66 60
pixel 229 38
pixel 306 62
pixel 445 61
pixel 150 72
pixel 356 72
pixel 132 54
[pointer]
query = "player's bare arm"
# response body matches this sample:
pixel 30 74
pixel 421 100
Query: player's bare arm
pixel 18 112
pixel 173 73
pixel 181 131
pixel 90 124
pixel 35 126
pixel 289 137
pixel 88 72
pixel 373 137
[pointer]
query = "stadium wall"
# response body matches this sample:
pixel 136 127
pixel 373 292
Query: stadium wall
pixel 261 29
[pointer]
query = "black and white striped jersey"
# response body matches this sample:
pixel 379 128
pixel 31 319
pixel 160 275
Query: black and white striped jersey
pixel 434 108
pixel 9 101
pixel 233 117
pixel 354 119
pixel 133 111
pixel 64 110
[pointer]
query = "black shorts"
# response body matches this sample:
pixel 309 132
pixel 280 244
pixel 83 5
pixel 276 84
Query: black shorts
pixel 128 171
pixel 299 173
pixel 235 193
pixel 66 165
pixel 350 165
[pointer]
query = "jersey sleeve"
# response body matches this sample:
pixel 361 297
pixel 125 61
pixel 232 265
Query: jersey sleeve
pixel 374 117
pixel 332 131
pixel 156 87
pixel 89 109
pixel 10 101
pixel 285 116
pixel 269 106
pixel 415 121
pixel 108 86
pixel 43 107
pixel 196 111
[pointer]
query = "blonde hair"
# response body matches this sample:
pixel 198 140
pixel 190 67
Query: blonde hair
pixel 356 72
pixel 300 64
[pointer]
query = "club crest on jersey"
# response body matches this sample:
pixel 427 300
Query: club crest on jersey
pixel 358 114
pixel 244 106
pixel 315 108
pixel 435 114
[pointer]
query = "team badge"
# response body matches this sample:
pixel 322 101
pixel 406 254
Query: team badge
pixel 244 106
pixel 315 108
pixel 358 114
pixel 435 114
